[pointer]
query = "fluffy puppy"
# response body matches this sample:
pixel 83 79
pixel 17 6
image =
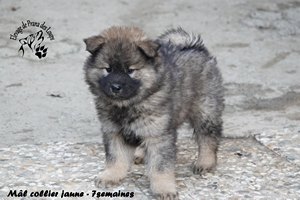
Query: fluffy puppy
pixel 144 90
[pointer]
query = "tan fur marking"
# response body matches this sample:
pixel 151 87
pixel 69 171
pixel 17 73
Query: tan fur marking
pixel 117 170
pixel 139 154
pixel 114 173
pixel 162 183
pixel 206 158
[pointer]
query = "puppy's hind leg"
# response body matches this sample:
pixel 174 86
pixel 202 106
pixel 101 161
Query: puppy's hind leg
pixel 139 154
pixel 206 134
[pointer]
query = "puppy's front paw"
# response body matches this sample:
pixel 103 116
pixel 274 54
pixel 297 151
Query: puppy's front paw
pixel 167 196
pixel 109 177
pixel 163 186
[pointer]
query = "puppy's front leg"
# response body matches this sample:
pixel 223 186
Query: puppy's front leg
pixel 161 158
pixel 119 157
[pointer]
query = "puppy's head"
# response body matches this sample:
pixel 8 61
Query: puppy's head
pixel 122 64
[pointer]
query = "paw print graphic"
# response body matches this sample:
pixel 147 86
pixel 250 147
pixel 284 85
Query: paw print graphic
pixel 41 52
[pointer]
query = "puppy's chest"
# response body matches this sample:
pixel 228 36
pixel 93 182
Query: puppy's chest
pixel 139 123
pixel 124 116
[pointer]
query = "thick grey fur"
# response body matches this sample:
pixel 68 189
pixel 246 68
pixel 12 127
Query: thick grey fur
pixel 183 84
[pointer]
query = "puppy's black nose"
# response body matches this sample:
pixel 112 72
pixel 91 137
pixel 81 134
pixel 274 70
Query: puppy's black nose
pixel 116 88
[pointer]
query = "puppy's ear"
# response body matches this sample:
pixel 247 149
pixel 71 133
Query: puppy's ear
pixel 93 43
pixel 148 47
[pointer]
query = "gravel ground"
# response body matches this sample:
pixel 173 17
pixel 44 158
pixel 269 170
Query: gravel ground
pixel 246 170
pixel 50 138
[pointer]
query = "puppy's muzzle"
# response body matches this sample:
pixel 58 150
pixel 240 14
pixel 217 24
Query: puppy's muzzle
pixel 116 88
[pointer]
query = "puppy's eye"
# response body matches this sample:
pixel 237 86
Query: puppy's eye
pixel 130 71
pixel 108 69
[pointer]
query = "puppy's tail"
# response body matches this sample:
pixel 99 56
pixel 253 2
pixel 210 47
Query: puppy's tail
pixel 180 38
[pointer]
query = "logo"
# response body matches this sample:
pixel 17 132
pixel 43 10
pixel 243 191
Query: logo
pixel 34 41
